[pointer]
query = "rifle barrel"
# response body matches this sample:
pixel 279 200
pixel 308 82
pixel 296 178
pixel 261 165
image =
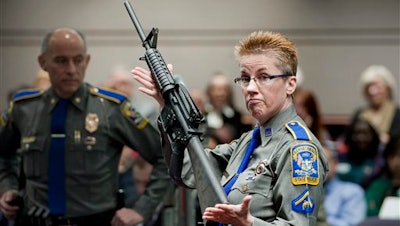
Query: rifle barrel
pixel 136 22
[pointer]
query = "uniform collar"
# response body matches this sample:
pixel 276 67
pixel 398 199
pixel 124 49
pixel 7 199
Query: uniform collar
pixel 80 97
pixel 276 123
pixel 77 100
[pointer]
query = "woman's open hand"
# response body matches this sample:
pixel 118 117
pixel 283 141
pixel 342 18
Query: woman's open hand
pixel 238 215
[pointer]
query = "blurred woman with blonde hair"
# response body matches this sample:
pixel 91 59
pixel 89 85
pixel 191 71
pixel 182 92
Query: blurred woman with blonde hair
pixel 42 80
pixel 378 87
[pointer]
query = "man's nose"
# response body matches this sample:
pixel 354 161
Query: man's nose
pixel 71 67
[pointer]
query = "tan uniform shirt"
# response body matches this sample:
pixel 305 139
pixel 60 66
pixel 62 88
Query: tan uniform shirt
pixel 285 175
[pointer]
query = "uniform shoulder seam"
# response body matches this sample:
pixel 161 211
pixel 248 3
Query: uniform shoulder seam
pixel 27 94
pixel 108 94
pixel 298 131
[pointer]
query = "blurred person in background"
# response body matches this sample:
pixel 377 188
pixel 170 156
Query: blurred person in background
pixel 359 158
pixel 199 98
pixel 344 202
pixel 119 80
pixel 134 170
pixel 307 108
pixel 388 182
pixel 378 87
pixel 224 120
pixel 42 80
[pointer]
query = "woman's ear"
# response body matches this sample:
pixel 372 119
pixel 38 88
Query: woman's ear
pixel 291 85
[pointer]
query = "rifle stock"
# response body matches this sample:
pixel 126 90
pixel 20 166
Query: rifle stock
pixel 180 118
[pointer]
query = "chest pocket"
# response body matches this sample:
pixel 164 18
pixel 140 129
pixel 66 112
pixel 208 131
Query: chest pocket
pixel 33 155
pixel 90 150
pixel 256 180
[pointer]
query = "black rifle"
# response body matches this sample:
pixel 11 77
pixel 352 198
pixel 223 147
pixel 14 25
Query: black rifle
pixel 180 119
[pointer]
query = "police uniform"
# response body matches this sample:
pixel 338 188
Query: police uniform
pixel 285 174
pixel 99 123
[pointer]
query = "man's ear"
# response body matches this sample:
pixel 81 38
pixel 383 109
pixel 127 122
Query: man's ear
pixel 291 85
pixel 42 62
pixel 87 59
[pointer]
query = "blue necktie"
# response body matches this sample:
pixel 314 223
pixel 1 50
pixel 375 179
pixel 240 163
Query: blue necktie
pixel 254 143
pixel 56 168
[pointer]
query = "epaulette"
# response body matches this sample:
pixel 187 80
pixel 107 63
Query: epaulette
pixel 27 94
pixel 108 94
pixel 298 131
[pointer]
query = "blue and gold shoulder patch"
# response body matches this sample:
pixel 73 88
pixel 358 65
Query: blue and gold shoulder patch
pixel 27 94
pixel 134 116
pixel 304 156
pixel 304 164
pixel 303 203
pixel 298 131
pixel 108 94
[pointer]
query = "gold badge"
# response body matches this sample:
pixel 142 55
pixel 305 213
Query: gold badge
pixel 91 122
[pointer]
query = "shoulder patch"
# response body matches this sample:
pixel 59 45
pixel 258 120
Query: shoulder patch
pixel 304 159
pixel 134 116
pixel 111 95
pixel 298 131
pixel 27 94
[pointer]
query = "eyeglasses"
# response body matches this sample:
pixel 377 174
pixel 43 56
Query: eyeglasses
pixel 259 80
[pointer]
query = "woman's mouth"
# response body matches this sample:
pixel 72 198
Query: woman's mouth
pixel 252 101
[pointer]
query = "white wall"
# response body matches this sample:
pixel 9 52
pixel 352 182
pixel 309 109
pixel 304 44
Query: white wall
pixel 336 39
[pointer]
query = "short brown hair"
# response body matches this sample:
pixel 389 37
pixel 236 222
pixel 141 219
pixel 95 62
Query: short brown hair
pixel 262 42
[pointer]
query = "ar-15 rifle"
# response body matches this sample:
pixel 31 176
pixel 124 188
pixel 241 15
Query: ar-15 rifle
pixel 181 119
